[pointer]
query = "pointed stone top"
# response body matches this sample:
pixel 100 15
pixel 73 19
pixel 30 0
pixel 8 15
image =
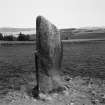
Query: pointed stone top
pixel 40 19
pixel 44 24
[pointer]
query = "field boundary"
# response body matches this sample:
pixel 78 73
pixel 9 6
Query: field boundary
pixel 33 42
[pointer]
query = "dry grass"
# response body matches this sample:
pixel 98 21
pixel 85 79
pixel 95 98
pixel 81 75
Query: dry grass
pixel 81 91
pixel 84 59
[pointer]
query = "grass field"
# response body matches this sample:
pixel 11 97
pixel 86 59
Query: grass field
pixel 17 69
pixel 16 66
pixel 85 58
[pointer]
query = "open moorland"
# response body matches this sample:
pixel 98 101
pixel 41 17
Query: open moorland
pixel 83 61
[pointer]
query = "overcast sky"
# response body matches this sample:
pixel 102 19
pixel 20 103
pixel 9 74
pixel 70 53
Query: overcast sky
pixel 62 13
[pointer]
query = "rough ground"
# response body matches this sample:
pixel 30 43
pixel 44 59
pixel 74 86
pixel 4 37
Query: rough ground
pixel 79 91
pixel 83 58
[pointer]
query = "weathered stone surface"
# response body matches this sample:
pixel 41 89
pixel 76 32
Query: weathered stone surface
pixel 49 50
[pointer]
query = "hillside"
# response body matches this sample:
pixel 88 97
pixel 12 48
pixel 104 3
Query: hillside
pixel 83 33
pixel 70 33
pixel 16 31
pixel 5 29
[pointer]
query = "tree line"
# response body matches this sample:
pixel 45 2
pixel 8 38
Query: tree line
pixel 20 37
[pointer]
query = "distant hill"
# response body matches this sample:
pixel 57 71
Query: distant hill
pixel 5 29
pixel 83 33
pixel 16 31
pixel 69 33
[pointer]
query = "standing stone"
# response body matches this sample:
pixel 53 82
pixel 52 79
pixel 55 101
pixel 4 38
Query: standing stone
pixel 49 52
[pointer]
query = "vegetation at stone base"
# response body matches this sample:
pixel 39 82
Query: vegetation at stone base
pixel 80 91
pixel 83 59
